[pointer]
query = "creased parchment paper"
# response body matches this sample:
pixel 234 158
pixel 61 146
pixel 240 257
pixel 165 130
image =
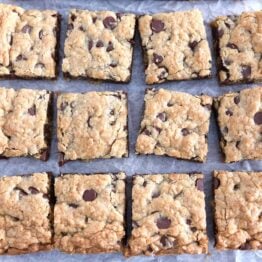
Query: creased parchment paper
pixel 136 88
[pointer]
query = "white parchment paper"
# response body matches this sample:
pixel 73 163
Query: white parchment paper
pixel 136 88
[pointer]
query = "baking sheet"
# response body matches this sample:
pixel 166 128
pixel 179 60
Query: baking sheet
pixel 136 88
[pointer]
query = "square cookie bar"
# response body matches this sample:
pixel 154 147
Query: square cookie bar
pixel 99 45
pixel 89 212
pixel 168 214
pixel 25 123
pixel 29 43
pixel 25 214
pixel 175 46
pixel 239 117
pixel 175 124
pixel 238 209
pixel 238 44
pixel 92 125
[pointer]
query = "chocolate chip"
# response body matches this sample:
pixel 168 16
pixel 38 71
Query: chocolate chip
pixel 109 22
pixel 246 71
pixel 237 144
pixel 70 27
pixel 150 249
pixel 94 19
pixel 33 190
pixel 81 28
pixel 20 57
pixel 229 112
pixel 216 183
pixel 193 44
pixel 169 104
pixel 32 110
pixel 73 17
pixel 113 64
pixel 89 122
pixel 90 195
pixel 144 184
pixel 73 205
pixel 200 184
pixel 258 118
pixel 193 229
pixel 157 59
pixel 147 132
pixel 162 116
pixel 157 25
pixel 90 44
pixel 236 99
pixel 236 186
pixel 99 43
pixel 63 106
pixel 27 29
pixel 41 34
pixel 232 46
pixel 110 47
pixel 220 33
pixel 40 65
pixel 156 194
pixel 164 241
pixel 189 221
pixel 112 112
pixel 185 131
pixel 225 130
pixel 163 223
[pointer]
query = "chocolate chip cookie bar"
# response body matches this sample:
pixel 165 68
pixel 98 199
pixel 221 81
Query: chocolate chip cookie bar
pixel 238 44
pixel 92 125
pixel 239 117
pixel 175 46
pixel 99 45
pixel 25 123
pixel 175 124
pixel 29 43
pixel 89 212
pixel 25 214
pixel 238 209
pixel 168 215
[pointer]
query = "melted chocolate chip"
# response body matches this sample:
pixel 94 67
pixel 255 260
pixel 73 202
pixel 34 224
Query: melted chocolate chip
pixel 41 34
pixel 109 22
pixel 110 47
pixel 27 29
pixel 73 205
pixel 163 223
pixel 90 44
pixel 157 59
pixel 258 118
pixel 157 25
pixel 200 184
pixel 144 184
pixel 236 99
pixel 216 183
pixel 73 17
pixel 246 71
pixel 99 43
pixel 189 221
pixel 193 44
pixel 236 186
pixel 164 241
pixel 185 131
pixel 90 195
pixel 193 229
pixel 33 190
pixel 229 112
pixel 162 116
pixel 81 28
pixel 232 46
pixel 32 110
pixel 113 65
pixel 94 19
